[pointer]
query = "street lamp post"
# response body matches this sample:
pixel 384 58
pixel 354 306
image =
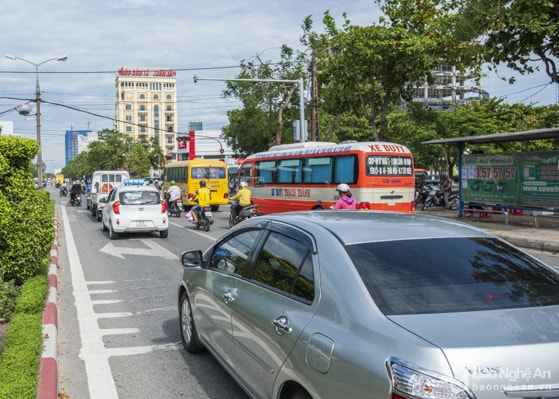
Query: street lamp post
pixel 39 165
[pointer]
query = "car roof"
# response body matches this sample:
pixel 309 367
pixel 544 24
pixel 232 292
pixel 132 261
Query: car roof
pixel 352 227
pixel 135 188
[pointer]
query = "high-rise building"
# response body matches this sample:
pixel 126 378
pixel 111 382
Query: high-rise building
pixel 76 141
pixel 146 105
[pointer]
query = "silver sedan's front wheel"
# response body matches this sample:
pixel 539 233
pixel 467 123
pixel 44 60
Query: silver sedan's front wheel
pixel 188 330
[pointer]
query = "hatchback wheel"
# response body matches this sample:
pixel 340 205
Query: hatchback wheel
pixel 112 234
pixel 188 330
pixel 164 233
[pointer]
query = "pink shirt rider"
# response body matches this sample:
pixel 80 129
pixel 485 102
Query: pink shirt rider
pixel 346 202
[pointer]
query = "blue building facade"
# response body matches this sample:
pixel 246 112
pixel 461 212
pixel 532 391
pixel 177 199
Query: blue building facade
pixel 72 143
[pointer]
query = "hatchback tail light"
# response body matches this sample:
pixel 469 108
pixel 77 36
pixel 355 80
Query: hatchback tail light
pixel 163 207
pixel 116 208
pixel 412 382
pixel 412 206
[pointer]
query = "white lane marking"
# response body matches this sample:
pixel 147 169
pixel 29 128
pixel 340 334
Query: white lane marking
pixel 100 380
pixel 153 249
pixel 93 352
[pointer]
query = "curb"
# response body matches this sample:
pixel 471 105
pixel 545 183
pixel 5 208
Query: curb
pixel 48 369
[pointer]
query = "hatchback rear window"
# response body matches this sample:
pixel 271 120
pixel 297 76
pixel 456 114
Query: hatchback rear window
pixel 139 198
pixel 452 275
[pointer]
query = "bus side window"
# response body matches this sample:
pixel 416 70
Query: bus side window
pixel 266 171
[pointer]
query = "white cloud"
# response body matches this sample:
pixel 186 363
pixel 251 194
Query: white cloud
pixel 190 36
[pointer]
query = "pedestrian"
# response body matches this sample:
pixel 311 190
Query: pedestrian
pixel 446 187
pixel 346 200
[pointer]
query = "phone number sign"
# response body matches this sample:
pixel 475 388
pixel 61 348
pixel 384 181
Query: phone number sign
pixel 524 180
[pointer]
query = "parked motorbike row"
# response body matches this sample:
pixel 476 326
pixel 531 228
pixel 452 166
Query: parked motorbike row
pixel 431 195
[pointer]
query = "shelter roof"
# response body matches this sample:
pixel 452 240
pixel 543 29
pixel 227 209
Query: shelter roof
pixel 539 134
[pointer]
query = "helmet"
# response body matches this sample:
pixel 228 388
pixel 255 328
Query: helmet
pixel 202 183
pixel 243 184
pixel 344 188
pixel 172 182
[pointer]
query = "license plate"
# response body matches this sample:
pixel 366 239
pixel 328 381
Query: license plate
pixel 141 223
pixel 208 213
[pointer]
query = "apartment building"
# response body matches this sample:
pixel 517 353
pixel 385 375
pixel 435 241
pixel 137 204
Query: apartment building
pixel 146 105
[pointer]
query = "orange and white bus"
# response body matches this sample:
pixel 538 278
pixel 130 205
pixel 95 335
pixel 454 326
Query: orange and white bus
pixel 304 176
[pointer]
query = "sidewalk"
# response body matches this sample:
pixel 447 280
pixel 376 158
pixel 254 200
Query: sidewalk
pixel 520 230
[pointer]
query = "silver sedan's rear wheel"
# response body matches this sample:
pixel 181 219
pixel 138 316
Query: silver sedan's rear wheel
pixel 188 330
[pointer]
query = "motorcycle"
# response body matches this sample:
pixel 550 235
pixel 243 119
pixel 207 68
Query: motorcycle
pixel 421 195
pixel 435 197
pixel 248 212
pixel 77 200
pixel 63 191
pixel 204 216
pixel 176 208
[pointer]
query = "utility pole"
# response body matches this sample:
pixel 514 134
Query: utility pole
pixel 314 100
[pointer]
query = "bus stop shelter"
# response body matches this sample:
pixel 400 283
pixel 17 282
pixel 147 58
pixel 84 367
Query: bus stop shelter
pixel 461 142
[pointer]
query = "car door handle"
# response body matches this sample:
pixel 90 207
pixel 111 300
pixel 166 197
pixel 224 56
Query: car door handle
pixel 228 297
pixel 281 325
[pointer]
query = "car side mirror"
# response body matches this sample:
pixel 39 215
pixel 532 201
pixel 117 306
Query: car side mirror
pixel 191 258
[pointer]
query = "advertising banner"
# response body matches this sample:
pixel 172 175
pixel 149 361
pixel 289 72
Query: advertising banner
pixel 524 180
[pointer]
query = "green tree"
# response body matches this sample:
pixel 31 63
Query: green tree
pixel 114 151
pixel 269 108
pixel 514 33
pixel 26 231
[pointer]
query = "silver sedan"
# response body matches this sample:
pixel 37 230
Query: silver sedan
pixel 349 304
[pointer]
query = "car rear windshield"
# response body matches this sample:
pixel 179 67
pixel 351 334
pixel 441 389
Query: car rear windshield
pixel 452 275
pixel 139 198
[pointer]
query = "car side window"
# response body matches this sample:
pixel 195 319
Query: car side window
pixel 232 256
pixel 286 265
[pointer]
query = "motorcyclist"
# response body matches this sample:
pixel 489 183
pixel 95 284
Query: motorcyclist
pixel 243 198
pixel 63 189
pixel 173 194
pixel 75 190
pixel 202 197
pixel 346 200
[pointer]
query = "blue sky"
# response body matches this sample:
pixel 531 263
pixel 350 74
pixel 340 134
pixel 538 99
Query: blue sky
pixel 193 37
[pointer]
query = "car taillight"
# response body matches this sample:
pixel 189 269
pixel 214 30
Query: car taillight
pixel 412 206
pixel 412 382
pixel 116 208
pixel 163 207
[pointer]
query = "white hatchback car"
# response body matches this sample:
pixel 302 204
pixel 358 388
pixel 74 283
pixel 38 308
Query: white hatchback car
pixel 135 210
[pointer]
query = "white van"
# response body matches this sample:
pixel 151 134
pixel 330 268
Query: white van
pixel 102 182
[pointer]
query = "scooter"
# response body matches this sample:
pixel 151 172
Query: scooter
pixel 435 197
pixel 248 212
pixel 77 200
pixel 205 217
pixel 175 209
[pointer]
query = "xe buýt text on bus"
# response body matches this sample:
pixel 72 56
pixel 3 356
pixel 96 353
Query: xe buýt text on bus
pixel 188 174
pixel 304 176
